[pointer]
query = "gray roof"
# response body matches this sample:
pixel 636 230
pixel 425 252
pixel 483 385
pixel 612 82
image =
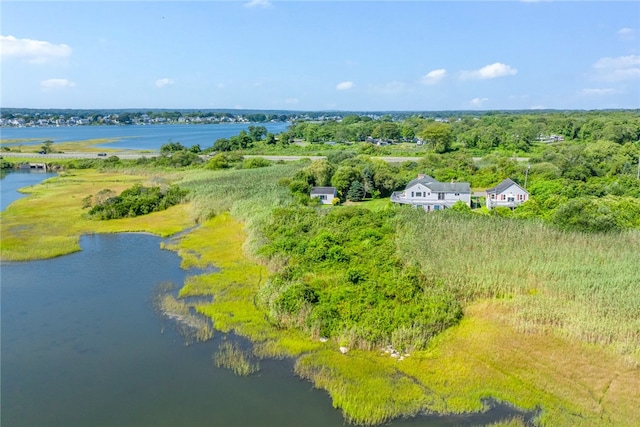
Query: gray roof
pixel 506 183
pixel 323 190
pixel 421 180
pixel 442 187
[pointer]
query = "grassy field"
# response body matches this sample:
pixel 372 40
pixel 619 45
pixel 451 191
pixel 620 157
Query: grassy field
pixel 550 318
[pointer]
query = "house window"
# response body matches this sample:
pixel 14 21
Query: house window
pixel 440 196
pixel 493 196
pixel 511 199
pixel 457 194
pixel 412 194
pixel 502 197
pixel 323 197
pixel 419 194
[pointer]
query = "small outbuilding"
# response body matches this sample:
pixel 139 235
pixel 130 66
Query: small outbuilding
pixel 507 194
pixel 325 194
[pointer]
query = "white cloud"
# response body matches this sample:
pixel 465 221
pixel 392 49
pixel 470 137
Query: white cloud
pixel 344 85
pixel 477 102
pixel 56 84
pixel 258 3
pixel 597 92
pixel 626 33
pixel 435 76
pixel 617 69
pixel 34 51
pixel 491 71
pixel 163 82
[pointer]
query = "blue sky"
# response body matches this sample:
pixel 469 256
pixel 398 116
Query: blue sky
pixel 328 55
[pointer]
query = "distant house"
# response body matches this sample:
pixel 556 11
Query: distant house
pixel 507 193
pixel 432 195
pixel 325 194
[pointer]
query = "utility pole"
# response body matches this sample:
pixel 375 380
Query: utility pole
pixel 526 174
pixel 638 167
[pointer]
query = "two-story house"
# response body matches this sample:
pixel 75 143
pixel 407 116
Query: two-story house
pixel 433 195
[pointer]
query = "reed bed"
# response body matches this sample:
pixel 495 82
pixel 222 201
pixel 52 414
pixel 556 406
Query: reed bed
pixel 231 356
pixel 193 327
pixel 583 286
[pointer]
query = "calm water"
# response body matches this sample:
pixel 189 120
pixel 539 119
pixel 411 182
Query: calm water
pixel 14 180
pixel 139 137
pixel 83 346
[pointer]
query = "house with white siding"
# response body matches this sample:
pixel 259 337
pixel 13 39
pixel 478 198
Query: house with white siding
pixel 433 195
pixel 507 194
pixel 325 194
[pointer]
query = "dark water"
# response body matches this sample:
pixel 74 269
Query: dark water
pixel 11 181
pixel 82 346
pixel 139 137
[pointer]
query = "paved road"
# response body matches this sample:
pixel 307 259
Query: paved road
pixel 134 156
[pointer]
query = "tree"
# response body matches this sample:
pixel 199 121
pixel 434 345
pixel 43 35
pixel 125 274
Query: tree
pixel 257 132
pixel 343 177
pixel 322 171
pixel 222 144
pixel 46 146
pixel 172 147
pixel 438 135
pixel 387 130
pixel 356 192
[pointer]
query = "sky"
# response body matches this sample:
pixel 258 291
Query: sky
pixel 320 55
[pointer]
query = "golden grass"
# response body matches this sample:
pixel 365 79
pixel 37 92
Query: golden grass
pixel 50 221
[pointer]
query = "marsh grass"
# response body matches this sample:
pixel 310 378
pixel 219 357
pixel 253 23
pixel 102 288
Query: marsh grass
pixel 583 286
pixel 50 221
pixel 231 356
pixel 193 327
pixel 368 392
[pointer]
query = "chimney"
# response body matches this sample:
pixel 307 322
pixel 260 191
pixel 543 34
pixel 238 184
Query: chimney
pixel 421 175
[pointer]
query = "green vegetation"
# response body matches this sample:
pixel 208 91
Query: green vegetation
pixel 343 280
pixel 134 201
pixel 50 221
pixel 535 306
pixel 232 356
pixel 193 327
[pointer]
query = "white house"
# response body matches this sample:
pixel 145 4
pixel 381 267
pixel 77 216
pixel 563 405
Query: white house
pixel 325 194
pixel 507 193
pixel 432 195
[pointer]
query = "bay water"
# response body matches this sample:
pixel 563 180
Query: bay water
pixel 136 137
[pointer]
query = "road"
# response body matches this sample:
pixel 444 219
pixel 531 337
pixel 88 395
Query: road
pixel 137 155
